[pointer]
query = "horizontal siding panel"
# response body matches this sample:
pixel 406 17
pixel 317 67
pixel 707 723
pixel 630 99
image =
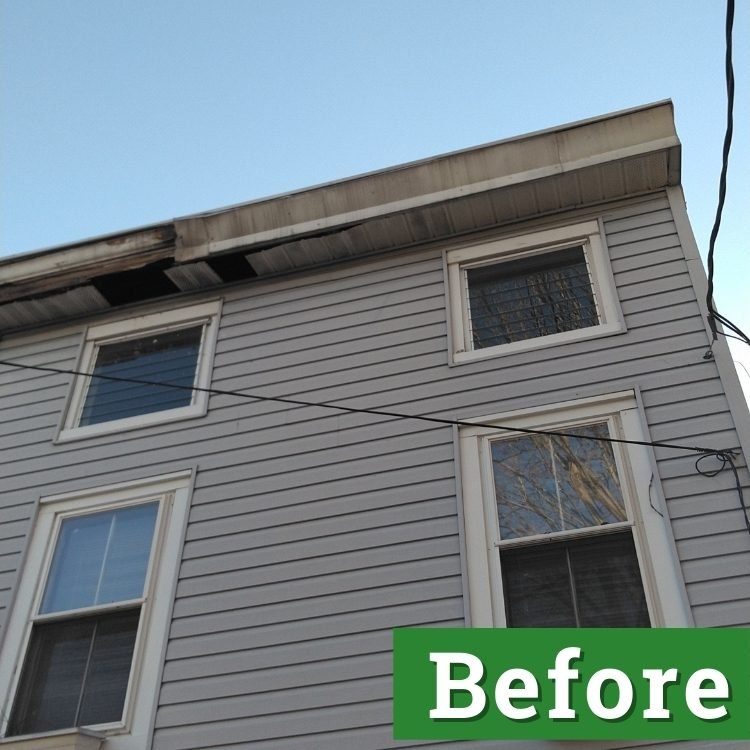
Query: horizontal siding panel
pixel 660 216
pixel 340 359
pixel 211 520
pixel 655 286
pixel 279 725
pixel 643 248
pixel 722 615
pixel 724 544
pixel 660 229
pixel 297 530
pixel 311 548
pixel 378 305
pixel 320 672
pixel 665 270
pixel 419 310
pixel 254 705
pixel 691 390
pixel 321 585
pixel 663 302
pixel 710 524
pixel 426 613
pixel 182 677
pixel 717 568
pixel 315 607
pixel 670 254
pixel 649 318
pixel 724 590
pixel 299 571
pixel 675 412
pixel 213 490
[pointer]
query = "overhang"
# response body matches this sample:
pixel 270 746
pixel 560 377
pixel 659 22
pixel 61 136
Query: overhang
pixel 582 164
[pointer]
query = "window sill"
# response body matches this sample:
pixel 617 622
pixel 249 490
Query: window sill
pixel 131 423
pixel 65 739
pixel 569 337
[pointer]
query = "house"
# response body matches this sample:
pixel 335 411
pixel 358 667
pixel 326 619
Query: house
pixel 219 563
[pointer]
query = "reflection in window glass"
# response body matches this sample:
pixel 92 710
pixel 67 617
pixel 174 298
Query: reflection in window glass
pixel 547 483
pixel 538 295
pixel 100 558
pixel 166 357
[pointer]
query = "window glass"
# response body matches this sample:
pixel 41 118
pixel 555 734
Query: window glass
pixel 585 582
pixel 547 483
pixel 529 297
pixel 100 558
pixel 169 357
pixel 76 673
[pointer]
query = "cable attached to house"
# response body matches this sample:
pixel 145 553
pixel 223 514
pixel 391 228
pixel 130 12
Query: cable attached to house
pixel 727 459
pixel 355 410
pixel 714 316
pixel 725 456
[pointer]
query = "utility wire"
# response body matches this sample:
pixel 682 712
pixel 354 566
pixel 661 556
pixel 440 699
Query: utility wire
pixel 726 458
pixel 714 316
pixel 354 410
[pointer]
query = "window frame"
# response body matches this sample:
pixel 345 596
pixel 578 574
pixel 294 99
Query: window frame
pixel 661 575
pixel 172 492
pixel 206 314
pixel 587 234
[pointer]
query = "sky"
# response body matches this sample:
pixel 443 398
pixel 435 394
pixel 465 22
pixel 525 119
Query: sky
pixel 117 114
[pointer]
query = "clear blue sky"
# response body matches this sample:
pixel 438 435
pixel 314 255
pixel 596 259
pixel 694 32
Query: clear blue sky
pixel 118 114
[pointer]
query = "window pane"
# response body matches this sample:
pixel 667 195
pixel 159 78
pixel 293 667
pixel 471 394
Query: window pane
pixel 537 587
pixel 100 558
pixel 52 677
pixel 76 673
pixel 109 670
pixel 593 582
pixel 608 583
pixel 546 483
pixel 169 357
pixel 530 297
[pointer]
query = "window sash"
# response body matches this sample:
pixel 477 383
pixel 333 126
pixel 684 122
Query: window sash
pixel 529 297
pixel 119 400
pixel 594 581
pixel 76 672
pixel 556 483
pixel 110 544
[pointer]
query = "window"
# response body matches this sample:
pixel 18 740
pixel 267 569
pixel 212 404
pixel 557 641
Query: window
pixel 174 347
pixel 85 636
pixel 540 289
pixel 562 531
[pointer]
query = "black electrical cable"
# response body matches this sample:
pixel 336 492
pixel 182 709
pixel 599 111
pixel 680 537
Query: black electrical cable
pixel 354 410
pixel 726 457
pixel 713 315
pixel 730 336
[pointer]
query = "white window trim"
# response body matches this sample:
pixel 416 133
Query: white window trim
pixel 588 234
pixel 172 491
pixel 652 533
pixel 207 313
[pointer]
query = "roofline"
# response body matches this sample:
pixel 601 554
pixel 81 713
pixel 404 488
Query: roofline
pixel 164 226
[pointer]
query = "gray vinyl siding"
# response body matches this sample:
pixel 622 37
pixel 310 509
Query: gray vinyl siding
pixel 312 533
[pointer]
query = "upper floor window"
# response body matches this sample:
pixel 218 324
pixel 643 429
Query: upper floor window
pixel 562 530
pixel 539 289
pixel 130 359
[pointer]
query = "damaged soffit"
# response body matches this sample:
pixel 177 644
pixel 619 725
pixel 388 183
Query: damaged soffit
pixel 583 164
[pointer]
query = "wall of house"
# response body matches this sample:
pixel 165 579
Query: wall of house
pixel 312 533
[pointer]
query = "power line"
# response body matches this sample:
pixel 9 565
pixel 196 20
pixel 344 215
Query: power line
pixel 714 316
pixel 355 410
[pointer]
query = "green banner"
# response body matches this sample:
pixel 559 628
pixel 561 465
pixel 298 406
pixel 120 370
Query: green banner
pixel 571 684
